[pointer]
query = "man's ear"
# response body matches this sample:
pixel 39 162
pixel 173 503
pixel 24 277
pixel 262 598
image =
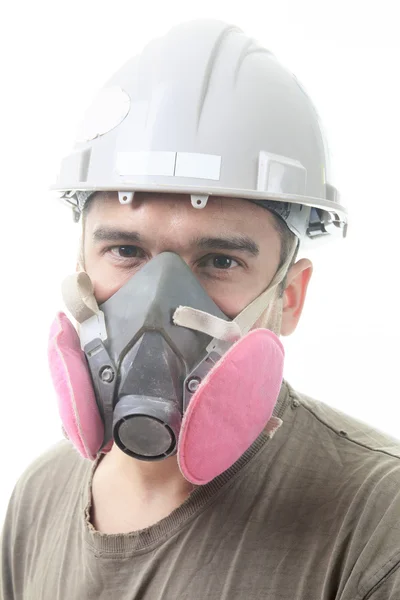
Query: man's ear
pixel 294 296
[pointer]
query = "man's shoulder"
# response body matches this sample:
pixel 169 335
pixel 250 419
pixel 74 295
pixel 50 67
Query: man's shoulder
pixel 353 469
pixel 360 434
pixel 51 475
pixel 56 460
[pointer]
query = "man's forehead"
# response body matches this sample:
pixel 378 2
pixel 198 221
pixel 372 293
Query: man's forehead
pixel 238 212
pixel 225 224
pixel 111 197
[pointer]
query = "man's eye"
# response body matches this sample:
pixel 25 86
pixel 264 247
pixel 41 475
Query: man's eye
pixel 126 251
pixel 220 261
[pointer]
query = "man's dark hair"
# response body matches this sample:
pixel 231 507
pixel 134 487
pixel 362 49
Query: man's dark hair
pixel 287 241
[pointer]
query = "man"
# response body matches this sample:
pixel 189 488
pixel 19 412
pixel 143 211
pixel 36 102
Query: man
pixel 199 472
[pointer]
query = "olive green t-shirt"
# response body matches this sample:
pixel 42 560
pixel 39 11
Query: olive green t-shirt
pixel 311 513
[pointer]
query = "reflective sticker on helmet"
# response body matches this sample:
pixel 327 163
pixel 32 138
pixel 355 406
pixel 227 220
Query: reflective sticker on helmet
pixel 172 164
pixel 145 163
pixel 198 166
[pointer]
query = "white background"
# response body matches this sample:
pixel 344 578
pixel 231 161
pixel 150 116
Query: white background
pixel 56 55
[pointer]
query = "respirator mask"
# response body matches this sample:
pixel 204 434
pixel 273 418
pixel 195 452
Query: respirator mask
pixel 160 370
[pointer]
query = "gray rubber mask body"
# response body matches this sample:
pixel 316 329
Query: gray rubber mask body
pixel 142 373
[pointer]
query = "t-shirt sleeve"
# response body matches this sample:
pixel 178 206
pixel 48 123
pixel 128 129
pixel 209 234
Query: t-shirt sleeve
pixel 374 562
pixel 7 591
pixel 20 530
pixel 388 588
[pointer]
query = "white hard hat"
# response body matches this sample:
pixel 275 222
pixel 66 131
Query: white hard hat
pixel 205 110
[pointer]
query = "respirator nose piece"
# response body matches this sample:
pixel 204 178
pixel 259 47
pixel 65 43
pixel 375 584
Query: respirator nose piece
pixel 146 428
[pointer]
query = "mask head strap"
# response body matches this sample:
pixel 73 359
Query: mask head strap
pixel 226 332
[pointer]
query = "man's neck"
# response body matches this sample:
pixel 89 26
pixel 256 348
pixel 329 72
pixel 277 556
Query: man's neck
pixel 128 494
pixel 146 478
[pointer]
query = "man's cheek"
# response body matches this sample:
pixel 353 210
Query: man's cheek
pixel 230 304
pixel 106 283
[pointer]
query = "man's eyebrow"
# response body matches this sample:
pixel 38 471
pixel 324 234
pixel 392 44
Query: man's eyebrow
pixel 236 242
pixel 109 234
